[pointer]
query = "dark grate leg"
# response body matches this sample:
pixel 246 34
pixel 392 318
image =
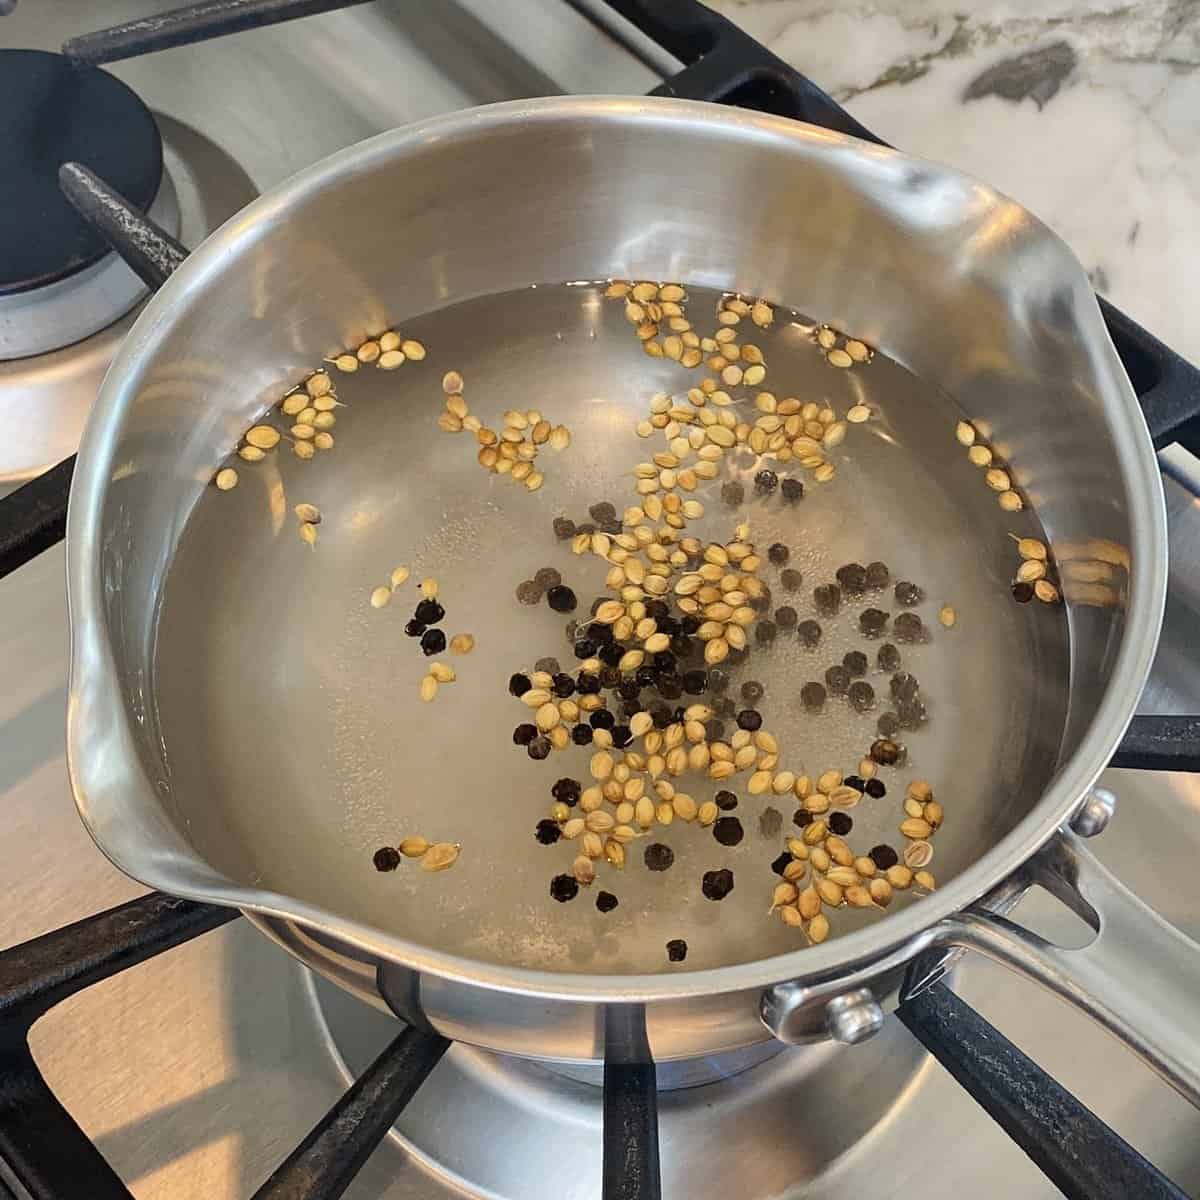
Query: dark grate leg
pixel 631 1166
pixel 1077 1151
pixel 193 23
pixel 323 1165
pixel 40 1143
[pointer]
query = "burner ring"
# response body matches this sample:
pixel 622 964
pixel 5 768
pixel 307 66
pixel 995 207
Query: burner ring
pixel 52 112
pixel 60 314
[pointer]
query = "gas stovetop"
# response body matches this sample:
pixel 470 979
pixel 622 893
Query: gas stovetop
pixel 199 1071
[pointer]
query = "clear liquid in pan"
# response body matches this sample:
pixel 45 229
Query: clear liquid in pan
pixel 289 708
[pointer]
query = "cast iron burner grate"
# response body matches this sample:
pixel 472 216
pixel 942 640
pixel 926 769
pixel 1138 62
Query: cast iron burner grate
pixel 41 1146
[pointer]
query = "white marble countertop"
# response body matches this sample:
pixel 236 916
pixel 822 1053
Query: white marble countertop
pixel 1085 111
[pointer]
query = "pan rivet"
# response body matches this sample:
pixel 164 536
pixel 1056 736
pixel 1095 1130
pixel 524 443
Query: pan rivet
pixel 1095 813
pixel 853 1017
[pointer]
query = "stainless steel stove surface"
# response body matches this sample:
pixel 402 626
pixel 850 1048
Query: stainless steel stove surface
pixel 198 1072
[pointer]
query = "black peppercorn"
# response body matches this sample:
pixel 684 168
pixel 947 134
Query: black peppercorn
pixel 602 510
pixel 539 748
pixel 792 489
pixel 661 715
pixel 855 781
pixel 714 729
pixel 908 595
pixel 752 691
pixel 567 791
pixel 749 719
pixel 888 724
pixel 726 801
pixel 581 734
pixel 911 713
pixel 600 633
pixel 622 736
pixel 778 553
pixel 606 902
pixel 528 592
pixel 782 861
pixel 689 624
pixel 718 680
pixel 547 832
pixel 888 657
pixel 524 734
pixel 875 789
pixel 694 682
pixel 908 628
pixel 878 575
pixel 630 709
pixel 812 696
pixel 861 696
pixel 873 621
pixel 791 579
pixel 770 822
pixel 716 885
pixel 545 578
pixel 886 752
pixel 732 493
pixel 610 654
pixel 561 599
pixel 658 856
pixel 433 641
pixel 609 677
pixel 809 633
pixel 585 648
pixel 564 528
pixel 669 687
pixel 855 661
pixel 564 685
pixel 728 831
pixel 519 684
pixel 802 817
pixel 564 888
pixel 883 857
pixel 837 680
pixel 840 823
pixel 761 603
pixel 904 686
pixel 586 527
pixel 386 858
pixel 1022 592
pixel 853 578
pixel 587 683
pixel 429 612
pixel 646 676
pixel 786 617
pixel 602 719
pixel 827 597
pixel 414 628
pixel 765 482
pixel 765 632
pixel 676 950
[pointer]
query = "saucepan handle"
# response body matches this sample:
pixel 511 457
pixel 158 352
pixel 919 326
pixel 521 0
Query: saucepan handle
pixel 1139 977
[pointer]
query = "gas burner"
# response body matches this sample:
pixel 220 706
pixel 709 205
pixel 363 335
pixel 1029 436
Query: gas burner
pixel 536 1129
pixel 57 336
pixel 59 282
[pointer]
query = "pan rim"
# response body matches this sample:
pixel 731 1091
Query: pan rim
pixel 94 778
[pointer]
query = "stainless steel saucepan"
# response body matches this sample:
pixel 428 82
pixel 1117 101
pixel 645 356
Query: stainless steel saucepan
pixel 244 729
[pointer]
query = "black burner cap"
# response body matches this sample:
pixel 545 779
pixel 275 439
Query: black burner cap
pixel 50 113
